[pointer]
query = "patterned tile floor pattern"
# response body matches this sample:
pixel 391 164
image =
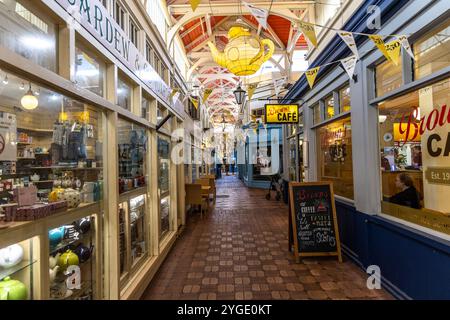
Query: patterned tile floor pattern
pixel 239 251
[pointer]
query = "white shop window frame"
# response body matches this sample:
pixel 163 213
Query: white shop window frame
pixel 408 85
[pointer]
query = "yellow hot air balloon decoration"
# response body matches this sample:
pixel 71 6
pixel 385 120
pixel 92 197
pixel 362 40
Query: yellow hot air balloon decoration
pixel 244 54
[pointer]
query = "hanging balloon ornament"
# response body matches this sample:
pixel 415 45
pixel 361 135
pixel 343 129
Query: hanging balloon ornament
pixel 244 54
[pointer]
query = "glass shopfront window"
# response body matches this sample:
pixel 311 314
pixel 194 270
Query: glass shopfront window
pixel 292 159
pixel 132 139
pixel 124 93
pixel 414 156
pixel 431 52
pixel 334 154
pixel 53 149
pixel 344 99
pixel 19 266
pixel 133 229
pixel 146 107
pixel 329 107
pixel 388 77
pixel 26 30
pixel 316 114
pixel 164 184
pixel 301 164
pixel 89 71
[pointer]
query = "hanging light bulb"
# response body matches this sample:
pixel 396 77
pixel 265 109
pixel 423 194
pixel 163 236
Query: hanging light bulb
pixel 29 101
pixel 6 80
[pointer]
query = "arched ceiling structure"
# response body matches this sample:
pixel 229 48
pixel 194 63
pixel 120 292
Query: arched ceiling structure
pixel 211 22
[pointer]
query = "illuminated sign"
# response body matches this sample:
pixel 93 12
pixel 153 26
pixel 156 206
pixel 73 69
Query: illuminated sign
pixel 96 20
pixel 281 113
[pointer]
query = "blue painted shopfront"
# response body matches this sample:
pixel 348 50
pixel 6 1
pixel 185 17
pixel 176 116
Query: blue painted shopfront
pixel 414 264
pixel 247 171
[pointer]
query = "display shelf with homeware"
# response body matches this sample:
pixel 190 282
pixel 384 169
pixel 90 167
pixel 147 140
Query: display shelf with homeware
pixel 132 152
pixel 54 160
pixel 72 266
pixel 19 267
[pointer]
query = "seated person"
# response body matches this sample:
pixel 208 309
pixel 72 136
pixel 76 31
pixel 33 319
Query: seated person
pixel 408 196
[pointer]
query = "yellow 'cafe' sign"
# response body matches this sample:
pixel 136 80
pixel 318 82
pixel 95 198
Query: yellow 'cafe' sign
pixel 281 113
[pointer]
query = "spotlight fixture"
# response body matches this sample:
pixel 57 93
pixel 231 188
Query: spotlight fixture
pixel 29 101
pixel 6 80
pixel 22 86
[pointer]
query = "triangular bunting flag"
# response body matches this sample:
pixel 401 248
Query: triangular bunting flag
pixel 206 94
pixel 259 14
pixel 311 75
pixel 349 65
pixel 309 32
pixel 349 40
pixel 194 4
pixel 174 92
pixel 194 102
pixel 251 90
pixel 405 44
pixel 378 40
pixel 393 48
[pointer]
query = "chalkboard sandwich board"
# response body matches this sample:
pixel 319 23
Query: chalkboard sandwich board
pixel 313 219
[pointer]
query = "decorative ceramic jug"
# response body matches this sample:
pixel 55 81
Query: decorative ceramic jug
pixel 244 54
pixel 12 290
pixel 11 256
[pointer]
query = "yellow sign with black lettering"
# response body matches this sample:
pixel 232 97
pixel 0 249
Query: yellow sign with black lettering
pixel 281 113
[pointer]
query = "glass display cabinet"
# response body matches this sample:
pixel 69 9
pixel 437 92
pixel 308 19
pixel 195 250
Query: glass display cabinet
pixel 72 260
pixel 19 270
pixel 164 184
pixel 133 233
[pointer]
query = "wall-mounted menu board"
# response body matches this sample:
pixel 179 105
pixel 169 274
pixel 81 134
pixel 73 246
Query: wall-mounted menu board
pixel 313 220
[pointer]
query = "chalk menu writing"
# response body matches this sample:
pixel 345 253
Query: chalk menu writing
pixel 314 222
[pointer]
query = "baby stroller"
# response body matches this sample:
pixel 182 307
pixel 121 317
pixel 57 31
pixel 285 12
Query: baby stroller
pixel 276 184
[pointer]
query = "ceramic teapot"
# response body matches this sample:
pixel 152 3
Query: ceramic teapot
pixel 53 260
pixel 53 272
pixel 73 197
pixel 12 290
pixel 56 235
pixel 56 195
pixel 68 258
pixel 83 225
pixel 11 256
pixel 35 177
pixel 244 54
pixel 83 252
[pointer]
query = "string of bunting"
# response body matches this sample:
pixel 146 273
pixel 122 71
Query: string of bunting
pixel 390 50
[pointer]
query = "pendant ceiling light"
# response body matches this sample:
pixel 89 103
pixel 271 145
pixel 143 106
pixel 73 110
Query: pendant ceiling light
pixel 239 94
pixel 29 100
pixel 244 54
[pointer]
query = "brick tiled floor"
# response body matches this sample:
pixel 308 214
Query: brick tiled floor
pixel 239 251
